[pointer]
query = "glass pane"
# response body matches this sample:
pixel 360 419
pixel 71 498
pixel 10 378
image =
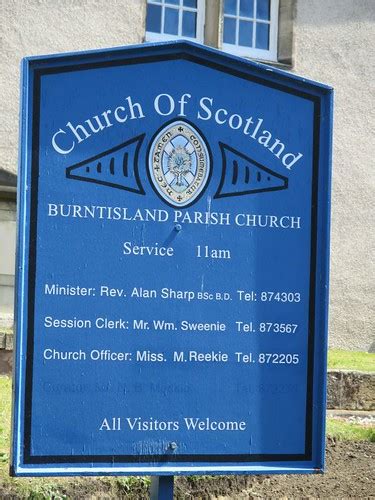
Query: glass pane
pixel 190 3
pixel 171 21
pixel 247 8
pixel 245 37
pixel 263 9
pixel 173 2
pixel 153 20
pixel 229 30
pixel 230 7
pixel 262 36
pixel 189 21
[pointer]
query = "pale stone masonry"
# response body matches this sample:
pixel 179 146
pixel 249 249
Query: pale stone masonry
pixel 351 390
pixel 6 352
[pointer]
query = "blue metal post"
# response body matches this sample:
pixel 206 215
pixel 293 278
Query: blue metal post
pixel 161 488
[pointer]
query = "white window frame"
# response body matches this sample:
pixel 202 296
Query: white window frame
pixel 160 37
pixel 254 53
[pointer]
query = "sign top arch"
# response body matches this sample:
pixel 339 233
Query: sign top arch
pixel 180 49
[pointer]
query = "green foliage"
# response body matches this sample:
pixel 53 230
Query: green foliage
pixel 344 431
pixel 351 360
pixel 5 415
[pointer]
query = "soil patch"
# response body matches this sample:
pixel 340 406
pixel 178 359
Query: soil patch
pixel 350 473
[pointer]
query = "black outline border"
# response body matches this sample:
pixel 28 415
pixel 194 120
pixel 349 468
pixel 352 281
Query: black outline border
pixel 127 459
pixel 219 193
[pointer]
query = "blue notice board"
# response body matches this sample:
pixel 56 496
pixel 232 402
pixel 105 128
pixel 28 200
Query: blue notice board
pixel 172 282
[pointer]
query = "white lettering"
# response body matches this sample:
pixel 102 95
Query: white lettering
pixel 205 108
pixel 58 148
pixel 170 102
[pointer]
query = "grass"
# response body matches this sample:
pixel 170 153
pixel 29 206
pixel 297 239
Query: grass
pixel 351 360
pixel 344 431
pixel 5 414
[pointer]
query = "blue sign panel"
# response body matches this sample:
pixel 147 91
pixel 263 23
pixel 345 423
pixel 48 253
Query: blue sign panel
pixel 173 265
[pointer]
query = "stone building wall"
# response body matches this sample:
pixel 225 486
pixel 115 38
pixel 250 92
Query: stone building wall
pixel 36 27
pixel 333 43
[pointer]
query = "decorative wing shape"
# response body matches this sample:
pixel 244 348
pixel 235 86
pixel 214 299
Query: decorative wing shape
pixel 242 175
pixel 116 167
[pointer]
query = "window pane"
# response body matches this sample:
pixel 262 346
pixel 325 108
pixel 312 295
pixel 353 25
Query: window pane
pixel 190 3
pixel 171 21
pixel 263 9
pixel 173 2
pixel 153 21
pixel 246 34
pixel 230 7
pixel 247 8
pixel 229 30
pixel 189 24
pixel 262 36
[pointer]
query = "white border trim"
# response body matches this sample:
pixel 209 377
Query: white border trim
pixel 175 470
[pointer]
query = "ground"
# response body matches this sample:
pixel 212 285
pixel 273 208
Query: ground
pixel 350 474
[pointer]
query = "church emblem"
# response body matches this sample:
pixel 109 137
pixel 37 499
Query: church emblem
pixel 179 164
pixel 179 168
